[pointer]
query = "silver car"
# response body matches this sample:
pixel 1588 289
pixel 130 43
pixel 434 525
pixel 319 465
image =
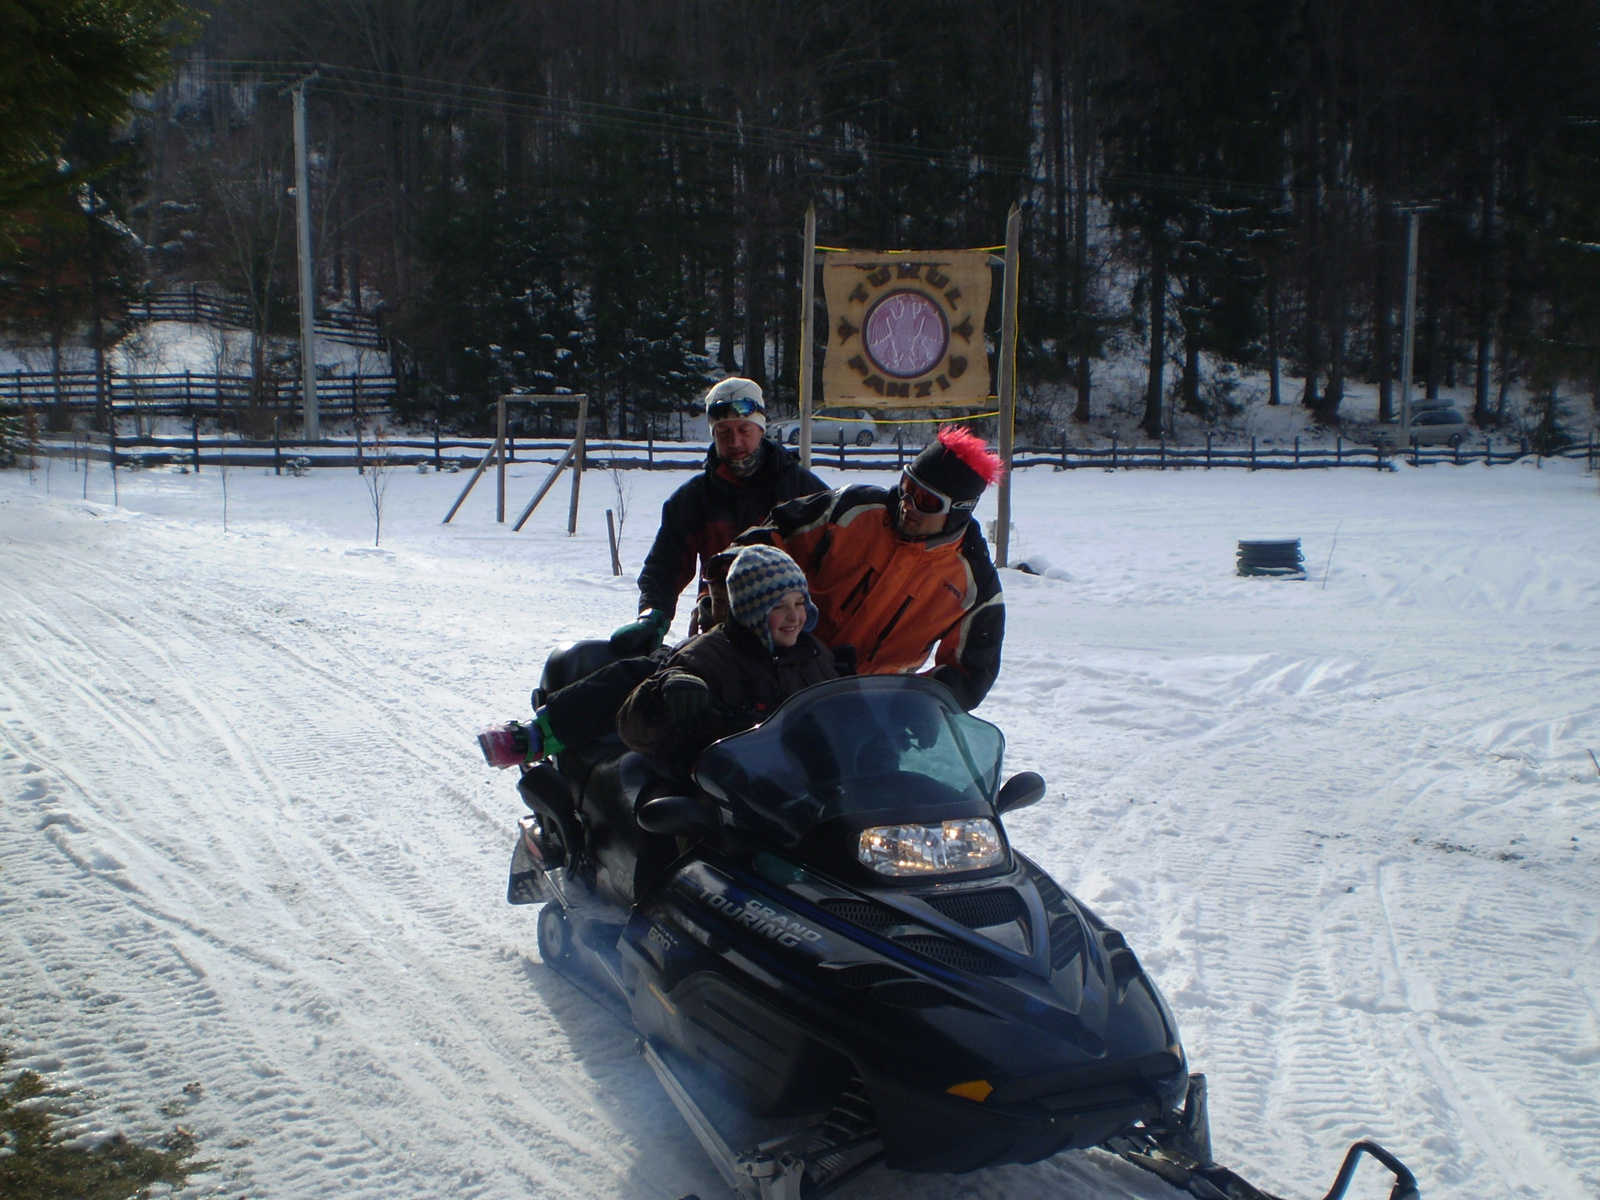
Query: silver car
pixel 1429 427
pixel 857 427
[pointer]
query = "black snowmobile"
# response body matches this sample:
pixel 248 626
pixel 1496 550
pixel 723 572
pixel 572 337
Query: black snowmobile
pixel 833 956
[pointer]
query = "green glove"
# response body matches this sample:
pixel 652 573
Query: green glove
pixel 641 636
pixel 684 696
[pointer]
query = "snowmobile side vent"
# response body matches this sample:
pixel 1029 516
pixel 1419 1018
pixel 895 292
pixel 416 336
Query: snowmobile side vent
pixel 913 993
pixel 1066 940
pixel 980 910
pixel 864 975
pixel 860 912
pixel 1124 968
pixel 955 954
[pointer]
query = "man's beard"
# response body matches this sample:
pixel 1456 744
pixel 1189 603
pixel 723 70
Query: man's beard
pixel 746 466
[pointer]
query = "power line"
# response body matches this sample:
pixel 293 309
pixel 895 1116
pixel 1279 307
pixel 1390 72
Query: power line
pixel 358 82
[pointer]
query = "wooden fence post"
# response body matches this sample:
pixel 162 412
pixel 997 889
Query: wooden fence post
pixel 841 447
pixel 438 462
pixel 1252 452
pixel 1113 452
pixel 1338 451
pixel 579 462
pixel 500 470
pixel 1297 449
pixel 650 445
pixel 194 435
pixel 277 444
pixel 1063 449
pixel 1161 443
pixel 611 536
pixel 1208 450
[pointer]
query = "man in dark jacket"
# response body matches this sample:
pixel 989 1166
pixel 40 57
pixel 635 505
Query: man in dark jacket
pixel 745 476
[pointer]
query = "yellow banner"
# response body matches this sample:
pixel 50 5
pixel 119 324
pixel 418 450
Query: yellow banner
pixel 905 330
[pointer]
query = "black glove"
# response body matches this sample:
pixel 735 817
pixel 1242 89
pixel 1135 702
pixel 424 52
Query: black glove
pixel 844 659
pixel 684 696
pixel 641 636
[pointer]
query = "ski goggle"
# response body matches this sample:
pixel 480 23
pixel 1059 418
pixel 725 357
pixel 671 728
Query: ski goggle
pixel 927 500
pixel 736 408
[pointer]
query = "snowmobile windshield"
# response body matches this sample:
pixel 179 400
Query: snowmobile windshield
pixel 869 743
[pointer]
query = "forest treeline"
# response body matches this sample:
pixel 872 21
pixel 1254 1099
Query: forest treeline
pixel 608 196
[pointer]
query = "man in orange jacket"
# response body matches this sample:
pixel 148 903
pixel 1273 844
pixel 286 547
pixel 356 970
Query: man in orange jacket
pixel 897 573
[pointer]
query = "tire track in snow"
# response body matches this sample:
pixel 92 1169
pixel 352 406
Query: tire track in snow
pixel 470 1067
pixel 1259 969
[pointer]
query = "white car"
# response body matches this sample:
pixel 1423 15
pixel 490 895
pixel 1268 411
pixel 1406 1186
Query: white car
pixel 857 427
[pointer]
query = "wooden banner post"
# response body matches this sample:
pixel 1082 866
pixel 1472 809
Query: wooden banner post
pixel 808 304
pixel 1007 389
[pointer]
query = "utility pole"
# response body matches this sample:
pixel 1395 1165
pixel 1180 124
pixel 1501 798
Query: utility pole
pixel 302 212
pixel 1409 321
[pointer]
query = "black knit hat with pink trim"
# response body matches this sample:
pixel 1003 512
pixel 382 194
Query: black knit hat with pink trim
pixel 958 465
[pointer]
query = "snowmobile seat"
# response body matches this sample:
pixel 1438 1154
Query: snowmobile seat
pixel 572 663
pixel 626 856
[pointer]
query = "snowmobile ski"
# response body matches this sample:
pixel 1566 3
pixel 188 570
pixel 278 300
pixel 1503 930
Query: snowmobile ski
pixel 1182 1157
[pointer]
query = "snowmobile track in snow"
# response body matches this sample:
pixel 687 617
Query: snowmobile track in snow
pixel 246 840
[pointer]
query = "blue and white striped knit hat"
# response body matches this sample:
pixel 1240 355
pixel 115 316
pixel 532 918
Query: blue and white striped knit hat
pixel 759 578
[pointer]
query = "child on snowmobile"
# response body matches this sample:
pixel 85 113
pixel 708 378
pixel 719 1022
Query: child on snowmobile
pixel 745 475
pixel 733 676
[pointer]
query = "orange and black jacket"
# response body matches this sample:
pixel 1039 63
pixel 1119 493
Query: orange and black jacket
pixel 703 516
pixel 894 600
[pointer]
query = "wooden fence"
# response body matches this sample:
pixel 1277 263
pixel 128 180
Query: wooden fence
pixel 441 451
pixel 207 308
pixel 188 394
pixel 1292 457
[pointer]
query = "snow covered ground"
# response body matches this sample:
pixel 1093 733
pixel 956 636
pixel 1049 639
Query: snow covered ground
pixel 1352 825
pixel 172 347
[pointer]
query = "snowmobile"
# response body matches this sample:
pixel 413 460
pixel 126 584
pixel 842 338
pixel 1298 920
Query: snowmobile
pixel 832 956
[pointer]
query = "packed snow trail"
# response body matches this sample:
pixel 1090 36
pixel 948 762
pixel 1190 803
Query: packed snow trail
pixel 246 840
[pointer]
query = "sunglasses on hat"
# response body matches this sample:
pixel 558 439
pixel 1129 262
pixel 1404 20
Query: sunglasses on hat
pixel 736 408
pixel 927 500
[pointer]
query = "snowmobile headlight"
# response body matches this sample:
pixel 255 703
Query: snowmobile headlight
pixel 966 845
